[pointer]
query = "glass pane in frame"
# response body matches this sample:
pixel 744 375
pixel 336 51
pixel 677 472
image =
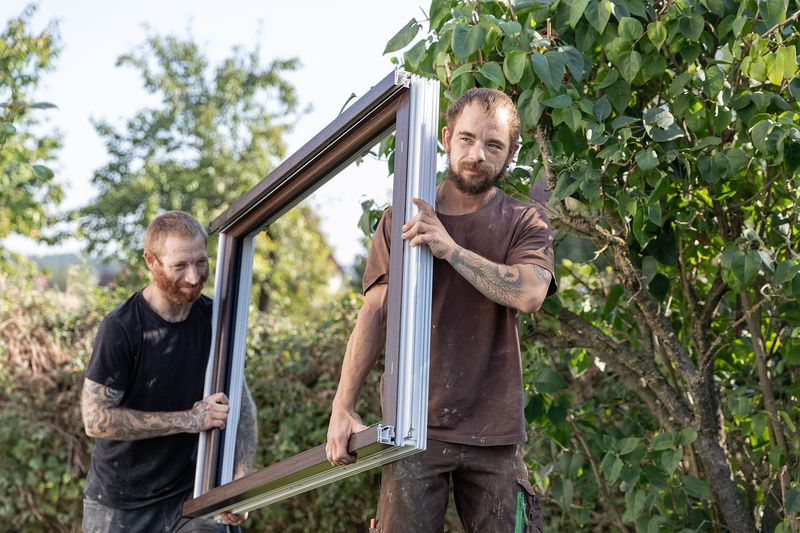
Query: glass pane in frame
pixel 400 102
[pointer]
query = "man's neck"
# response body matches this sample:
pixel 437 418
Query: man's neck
pixel 451 201
pixel 169 311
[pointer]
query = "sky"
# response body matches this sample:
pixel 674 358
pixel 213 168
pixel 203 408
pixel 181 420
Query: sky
pixel 339 44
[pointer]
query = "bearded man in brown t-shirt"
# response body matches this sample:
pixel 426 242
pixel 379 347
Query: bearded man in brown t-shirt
pixel 493 258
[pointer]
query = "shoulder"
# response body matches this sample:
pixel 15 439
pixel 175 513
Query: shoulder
pixel 126 315
pixel 528 214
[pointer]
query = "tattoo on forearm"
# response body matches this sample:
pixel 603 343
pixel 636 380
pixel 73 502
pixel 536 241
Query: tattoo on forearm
pixel 103 416
pixel 499 283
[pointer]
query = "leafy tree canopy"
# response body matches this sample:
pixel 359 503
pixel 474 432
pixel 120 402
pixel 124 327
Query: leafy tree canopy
pixel 669 136
pixel 215 133
pixel 29 194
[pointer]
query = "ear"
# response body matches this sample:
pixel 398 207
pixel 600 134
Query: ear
pixel 512 150
pixel 151 260
pixel 446 139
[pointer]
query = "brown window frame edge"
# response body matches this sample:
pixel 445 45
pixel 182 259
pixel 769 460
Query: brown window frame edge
pixel 386 107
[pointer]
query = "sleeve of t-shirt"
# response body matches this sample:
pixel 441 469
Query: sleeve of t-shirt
pixel 533 244
pixel 377 269
pixel 112 356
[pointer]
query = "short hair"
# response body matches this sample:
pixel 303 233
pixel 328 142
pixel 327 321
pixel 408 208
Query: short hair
pixel 492 101
pixel 171 223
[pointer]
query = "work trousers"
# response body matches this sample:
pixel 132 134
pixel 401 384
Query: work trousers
pixel 163 516
pixel 490 488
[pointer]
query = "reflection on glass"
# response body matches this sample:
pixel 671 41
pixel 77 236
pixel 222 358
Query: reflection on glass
pixel 306 292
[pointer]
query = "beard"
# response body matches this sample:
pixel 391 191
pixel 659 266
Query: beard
pixel 482 182
pixel 176 292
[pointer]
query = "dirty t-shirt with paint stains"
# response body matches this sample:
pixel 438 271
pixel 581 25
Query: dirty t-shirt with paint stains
pixel 160 366
pixel 476 372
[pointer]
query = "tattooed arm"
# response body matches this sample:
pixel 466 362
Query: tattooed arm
pixel 246 436
pixel 104 418
pixel 522 287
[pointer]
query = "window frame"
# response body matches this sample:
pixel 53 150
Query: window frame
pixel 409 105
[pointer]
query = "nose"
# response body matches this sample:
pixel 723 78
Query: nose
pixel 192 274
pixel 477 152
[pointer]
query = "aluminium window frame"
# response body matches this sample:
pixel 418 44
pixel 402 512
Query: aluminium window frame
pixel 409 105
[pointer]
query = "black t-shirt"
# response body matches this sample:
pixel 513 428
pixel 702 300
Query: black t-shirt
pixel 160 366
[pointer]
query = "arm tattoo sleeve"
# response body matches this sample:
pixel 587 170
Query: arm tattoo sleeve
pixel 246 435
pixel 104 418
pixel 500 283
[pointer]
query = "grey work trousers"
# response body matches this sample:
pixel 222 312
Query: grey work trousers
pixel 162 516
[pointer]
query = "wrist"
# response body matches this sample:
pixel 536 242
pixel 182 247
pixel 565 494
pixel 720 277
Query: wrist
pixel 455 252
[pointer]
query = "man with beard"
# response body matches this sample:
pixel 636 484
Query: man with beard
pixel 143 393
pixel 493 258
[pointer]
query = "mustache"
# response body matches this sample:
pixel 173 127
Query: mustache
pixel 475 166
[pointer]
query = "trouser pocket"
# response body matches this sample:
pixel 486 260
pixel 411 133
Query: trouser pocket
pixel 529 513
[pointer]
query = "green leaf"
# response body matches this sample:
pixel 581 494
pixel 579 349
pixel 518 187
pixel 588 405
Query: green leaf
pixel 670 459
pixel 542 69
pixel 440 9
pixel 511 27
pixel 786 271
pixel 602 108
pixel 494 73
pixel 616 468
pixel 548 380
pixel 597 13
pixel 42 172
pixel 760 133
pixel 619 93
pixel 6 128
pixel 463 69
pixel 775 68
pixel 575 61
pixel 42 105
pixel 752 264
pixel 630 63
pixel 561 101
pixel 787 419
pixel 415 55
pixel 403 37
pixel 609 77
pixel 647 159
pixel 791 501
pixel 627 445
pixel 696 487
pixel 660 125
pixel 514 65
pixel 773 11
pixel 691 27
pixel 657 33
pixel 466 40
pixel 630 28
pixel 640 227
pixel 688 436
pixel 576 9
pixel 530 107
pixel 565 186
pixel 662 441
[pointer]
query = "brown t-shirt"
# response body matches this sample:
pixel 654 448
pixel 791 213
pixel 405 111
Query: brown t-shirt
pixel 476 366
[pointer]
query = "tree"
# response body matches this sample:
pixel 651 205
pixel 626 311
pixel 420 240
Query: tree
pixel 669 135
pixel 29 194
pixel 216 132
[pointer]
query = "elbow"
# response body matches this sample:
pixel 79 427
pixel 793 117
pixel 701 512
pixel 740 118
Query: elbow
pixel 531 303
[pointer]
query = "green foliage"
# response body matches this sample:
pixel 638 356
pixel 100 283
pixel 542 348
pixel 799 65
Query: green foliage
pixel 293 368
pixel 29 193
pixel 669 135
pixel 216 132
pixel 44 343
